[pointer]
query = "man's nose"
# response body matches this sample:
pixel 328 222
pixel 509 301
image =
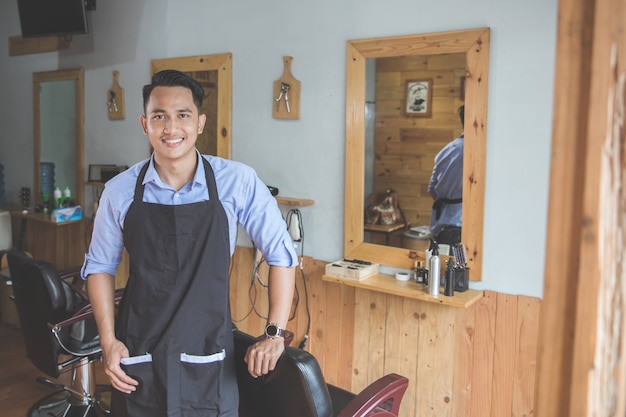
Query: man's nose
pixel 170 124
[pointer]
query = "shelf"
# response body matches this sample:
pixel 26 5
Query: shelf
pixel 25 46
pixel 290 201
pixel 388 284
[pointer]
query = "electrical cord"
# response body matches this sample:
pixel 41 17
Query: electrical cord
pixel 296 230
pixel 294 225
pixel 305 339
pixel 252 290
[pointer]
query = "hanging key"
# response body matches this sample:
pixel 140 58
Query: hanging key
pixel 277 99
pixel 284 92
pixel 285 87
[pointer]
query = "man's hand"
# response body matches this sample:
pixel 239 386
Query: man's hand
pixel 262 356
pixel 113 354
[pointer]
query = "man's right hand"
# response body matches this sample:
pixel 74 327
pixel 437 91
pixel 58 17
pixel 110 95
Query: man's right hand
pixel 101 288
pixel 113 354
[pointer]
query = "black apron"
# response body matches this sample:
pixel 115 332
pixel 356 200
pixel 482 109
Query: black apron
pixel 175 314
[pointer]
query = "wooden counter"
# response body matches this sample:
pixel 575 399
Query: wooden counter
pixel 61 244
pixel 388 284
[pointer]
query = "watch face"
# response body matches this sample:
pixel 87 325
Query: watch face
pixel 271 330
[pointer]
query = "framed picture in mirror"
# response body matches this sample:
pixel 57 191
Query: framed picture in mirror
pixel 418 98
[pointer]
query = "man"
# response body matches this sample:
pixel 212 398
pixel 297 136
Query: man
pixel 171 351
pixel 446 187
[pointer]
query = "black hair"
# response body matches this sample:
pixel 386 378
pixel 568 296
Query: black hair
pixel 461 112
pixel 174 78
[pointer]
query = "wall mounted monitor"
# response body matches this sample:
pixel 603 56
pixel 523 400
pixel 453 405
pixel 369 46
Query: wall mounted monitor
pixel 40 18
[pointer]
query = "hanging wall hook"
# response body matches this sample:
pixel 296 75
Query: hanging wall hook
pixel 115 99
pixel 286 88
pixel 284 92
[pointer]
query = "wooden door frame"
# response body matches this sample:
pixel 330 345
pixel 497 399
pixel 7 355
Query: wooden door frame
pixel 581 368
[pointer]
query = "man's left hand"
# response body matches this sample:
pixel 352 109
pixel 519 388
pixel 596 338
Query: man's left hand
pixel 262 356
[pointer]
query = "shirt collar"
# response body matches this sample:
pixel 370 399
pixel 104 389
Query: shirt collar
pixel 199 178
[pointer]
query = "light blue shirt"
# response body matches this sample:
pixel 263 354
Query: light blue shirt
pixel 246 200
pixel 446 182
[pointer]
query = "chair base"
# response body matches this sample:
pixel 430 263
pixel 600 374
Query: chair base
pixel 60 404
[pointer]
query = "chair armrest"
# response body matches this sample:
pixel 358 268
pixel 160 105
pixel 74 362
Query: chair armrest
pixel 80 315
pixel 118 294
pixel 385 393
pixel 70 272
pixel 72 277
pixel 84 312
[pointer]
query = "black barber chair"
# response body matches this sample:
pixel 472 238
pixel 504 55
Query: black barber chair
pixel 60 336
pixel 296 388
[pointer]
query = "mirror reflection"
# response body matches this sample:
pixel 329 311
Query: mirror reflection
pixel 58 133
pixel 397 151
pixel 400 148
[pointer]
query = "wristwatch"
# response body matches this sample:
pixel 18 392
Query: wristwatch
pixel 273 330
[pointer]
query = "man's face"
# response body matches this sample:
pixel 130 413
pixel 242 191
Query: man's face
pixel 172 123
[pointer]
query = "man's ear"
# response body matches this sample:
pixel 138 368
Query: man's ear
pixel 144 124
pixel 201 123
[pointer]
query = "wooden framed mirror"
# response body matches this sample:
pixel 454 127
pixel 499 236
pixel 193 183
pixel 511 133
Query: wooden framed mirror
pixel 475 45
pixel 58 98
pixel 214 72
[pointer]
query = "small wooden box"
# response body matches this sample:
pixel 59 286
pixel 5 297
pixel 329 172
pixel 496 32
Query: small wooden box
pixel 351 270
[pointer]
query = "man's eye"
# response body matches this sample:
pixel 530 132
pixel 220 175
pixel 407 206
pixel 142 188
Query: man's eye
pixel 184 116
pixel 158 117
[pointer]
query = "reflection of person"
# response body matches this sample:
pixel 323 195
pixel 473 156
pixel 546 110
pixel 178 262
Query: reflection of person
pixel 446 187
pixel 176 213
pixel 418 92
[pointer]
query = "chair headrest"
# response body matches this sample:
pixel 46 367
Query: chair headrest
pixel 29 274
pixel 296 387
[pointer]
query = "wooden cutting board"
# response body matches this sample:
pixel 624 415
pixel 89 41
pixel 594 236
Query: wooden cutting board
pixel 292 93
pixel 115 99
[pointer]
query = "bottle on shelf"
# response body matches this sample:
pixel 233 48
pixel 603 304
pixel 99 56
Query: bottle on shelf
pixel 46 204
pixel 58 197
pixel 434 265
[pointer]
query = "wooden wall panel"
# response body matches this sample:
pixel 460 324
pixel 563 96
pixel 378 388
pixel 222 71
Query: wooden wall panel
pixel 504 354
pixel 526 356
pixel 464 361
pixel 472 362
pixel 484 312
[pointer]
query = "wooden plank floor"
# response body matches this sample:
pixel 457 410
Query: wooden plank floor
pixel 18 388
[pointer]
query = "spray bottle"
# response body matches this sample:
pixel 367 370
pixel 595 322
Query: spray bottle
pixel 434 269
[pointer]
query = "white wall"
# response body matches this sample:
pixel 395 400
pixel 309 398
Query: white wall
pixel 305 158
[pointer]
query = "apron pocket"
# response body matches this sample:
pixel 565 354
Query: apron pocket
pixel 140 368
pixel 200 381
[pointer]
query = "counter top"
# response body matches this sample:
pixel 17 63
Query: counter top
pixel 388 284
pixel 40 217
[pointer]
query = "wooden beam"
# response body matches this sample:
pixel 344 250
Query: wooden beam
pixel 25 46
pixel 582 369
